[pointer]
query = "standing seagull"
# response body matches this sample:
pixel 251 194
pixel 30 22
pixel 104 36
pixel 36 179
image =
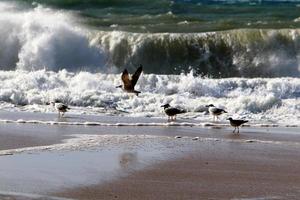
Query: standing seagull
pixel 60 107
pixel 172 112
pixel 130 81
pixel 214 111
pixel 236 123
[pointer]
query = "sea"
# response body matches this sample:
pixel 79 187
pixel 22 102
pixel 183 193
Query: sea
pixel 240 55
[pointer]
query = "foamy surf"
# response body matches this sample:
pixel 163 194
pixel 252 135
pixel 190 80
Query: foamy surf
pixel 144 124
pixel 263 100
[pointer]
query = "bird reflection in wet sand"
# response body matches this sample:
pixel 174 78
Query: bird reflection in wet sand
pixel 128 160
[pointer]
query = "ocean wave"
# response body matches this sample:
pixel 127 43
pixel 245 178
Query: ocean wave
pixel 245 52
pixel 42 38
pixel 32 39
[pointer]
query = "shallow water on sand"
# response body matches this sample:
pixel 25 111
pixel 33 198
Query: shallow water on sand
pixel 42 159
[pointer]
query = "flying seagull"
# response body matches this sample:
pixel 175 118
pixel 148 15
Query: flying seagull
pixel 214 111
pixel 172 112
pixel 60 107
pixel 130 81
pixel 236 123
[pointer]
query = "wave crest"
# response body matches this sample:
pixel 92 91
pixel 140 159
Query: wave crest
pixel 235 53
pixel 33 39
pixel 38 38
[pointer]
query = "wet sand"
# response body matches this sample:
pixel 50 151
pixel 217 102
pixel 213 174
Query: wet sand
pixel 214 171
pixel 123 163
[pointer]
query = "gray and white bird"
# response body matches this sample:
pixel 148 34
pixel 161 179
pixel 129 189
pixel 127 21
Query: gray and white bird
pixel 214 111
pixel 172 112
pixel 130 81
pixel 236 123
pixel 60 107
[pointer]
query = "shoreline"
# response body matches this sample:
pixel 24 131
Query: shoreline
pixel 101 119
pixel 148 162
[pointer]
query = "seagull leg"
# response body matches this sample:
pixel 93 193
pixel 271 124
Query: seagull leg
pixel 234 130
pixel 174 117
pixel 62 114
pixel 238 130
pixel 58 114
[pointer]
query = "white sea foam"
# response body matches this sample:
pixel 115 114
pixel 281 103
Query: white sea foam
pixel 44 38
pixel 260 99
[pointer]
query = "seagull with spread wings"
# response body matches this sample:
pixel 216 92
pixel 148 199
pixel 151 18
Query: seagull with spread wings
pixel 130 81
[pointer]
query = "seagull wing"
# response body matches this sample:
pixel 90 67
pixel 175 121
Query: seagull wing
pixel 126 80
pixel 65 107
pixel 61 106
pixel 136 75
pixel 237 122
pixel 174 111
pixel 242 121
pixel 217 110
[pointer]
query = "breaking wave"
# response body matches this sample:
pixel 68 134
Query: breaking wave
pixel 33 39
pixel 235 53
pixel 42 38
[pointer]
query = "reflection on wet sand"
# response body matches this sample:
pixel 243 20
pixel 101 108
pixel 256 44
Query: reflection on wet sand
pixel 128 160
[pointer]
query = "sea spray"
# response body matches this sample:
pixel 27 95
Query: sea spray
pixel 33 39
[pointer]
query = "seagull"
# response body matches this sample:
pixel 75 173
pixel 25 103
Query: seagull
pixel 172 112
pixel 60 107
pixel 236 123
pixel 130 81
pixel 215 111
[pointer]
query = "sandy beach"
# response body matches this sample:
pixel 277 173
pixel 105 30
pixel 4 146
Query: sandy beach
pixel 41 161
pixel 215 171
